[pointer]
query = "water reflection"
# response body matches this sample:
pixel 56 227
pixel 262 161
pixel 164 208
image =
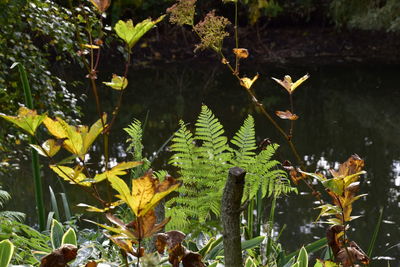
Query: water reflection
pixel 343 110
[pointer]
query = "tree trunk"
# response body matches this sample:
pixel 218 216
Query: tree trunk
pixel 230 215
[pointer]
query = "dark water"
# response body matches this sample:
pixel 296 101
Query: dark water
pixel 344 109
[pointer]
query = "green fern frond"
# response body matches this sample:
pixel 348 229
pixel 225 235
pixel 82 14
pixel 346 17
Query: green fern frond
pixel 135 132
pixel 4 197
pixel 12 215
pixel 245 140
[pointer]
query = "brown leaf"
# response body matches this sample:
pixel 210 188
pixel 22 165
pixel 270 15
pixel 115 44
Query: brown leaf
pixel 241 52
pixel 171 239
pixel 353 165
pixel 351 255
pixel 91 264
pixel 192 259
pixel 145 226
pixel 101 5
pixel 286 115
pixel 60 257
pixel 333 233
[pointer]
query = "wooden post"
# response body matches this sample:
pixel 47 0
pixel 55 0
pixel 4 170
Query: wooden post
pixel 230 215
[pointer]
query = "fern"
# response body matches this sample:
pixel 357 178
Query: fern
pixel 135 147
pixel 203 160
pixel 10 215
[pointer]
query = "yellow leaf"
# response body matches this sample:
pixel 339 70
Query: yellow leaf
pixel 117 82
pixel 147 191
pixel 109 207
pixel 49 148
pixel 117 170
pixel 93 133
pixel 73 176
pixel 77 138
pixel 26 119
pixel 288 84
pixel 91 46
pixel 247 82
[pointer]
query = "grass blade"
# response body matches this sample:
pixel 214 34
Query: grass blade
pixel 375 234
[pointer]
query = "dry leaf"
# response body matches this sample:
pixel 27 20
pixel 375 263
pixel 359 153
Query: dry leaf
pixel 286 115
pixel 241 52
pixel 60 257
pixel 101 5
pixel 247 82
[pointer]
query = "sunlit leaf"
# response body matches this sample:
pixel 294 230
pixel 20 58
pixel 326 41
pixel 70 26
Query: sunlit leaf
pixel 101 5
pixel 288 84
pixel 286 115
pixel 241 52
pixel 147 191
pixel 49 148
pixel 117 82
pixel 26 119
pixel 73 176
pixel 145 226
pixel 247 82
pixel 132 33
pixel 77 139
pixel 118 170
pixel 91 46
pixel 118 230
pixel 69 237
pixel 109 207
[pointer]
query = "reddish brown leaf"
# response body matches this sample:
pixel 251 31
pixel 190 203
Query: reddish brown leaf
pixel 286 115
pixel 332 236
pixel 241 52
pixel 192 259
pixel 101 5
pixel 145 226
pixel 91 264
pixel 353 254
pixel 60 257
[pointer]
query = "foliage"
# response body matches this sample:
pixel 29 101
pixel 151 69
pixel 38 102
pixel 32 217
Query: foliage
pixel 367 14
pixel 6 252
pixel 8 215
pixel 203 160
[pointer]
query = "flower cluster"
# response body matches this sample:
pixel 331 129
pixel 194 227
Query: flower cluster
pixel 182 12
pixel 211 31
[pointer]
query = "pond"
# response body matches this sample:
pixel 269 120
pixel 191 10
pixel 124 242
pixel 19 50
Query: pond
pixel 344 109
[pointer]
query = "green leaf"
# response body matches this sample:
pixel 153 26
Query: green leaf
pixel 117 82
pixel 249 262
pixel 303 258
pixel 6 252
pixel 56 234
pixel 26 119
pixel 252 243
pixel 69 237
pixel 130 33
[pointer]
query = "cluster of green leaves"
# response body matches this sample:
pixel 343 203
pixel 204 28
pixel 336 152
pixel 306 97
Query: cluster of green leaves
pixel 203 160
pixel 35 33
pixel 5 214
pixel 367 14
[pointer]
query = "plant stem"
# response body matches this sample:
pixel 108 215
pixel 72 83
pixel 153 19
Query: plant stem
pixel 292 111
pixel 35 157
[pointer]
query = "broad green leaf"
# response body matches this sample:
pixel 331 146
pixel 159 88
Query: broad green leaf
pixel 249 262
pixel 336 185
pixel 132 33
pixel 117 82
pixel 302 259
pixel 73 176
pixel 49 148
pixel 252 243
pixel 6 252
pixel 26 119
pixel 117 170
pixel 69 237
pixel 56 234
